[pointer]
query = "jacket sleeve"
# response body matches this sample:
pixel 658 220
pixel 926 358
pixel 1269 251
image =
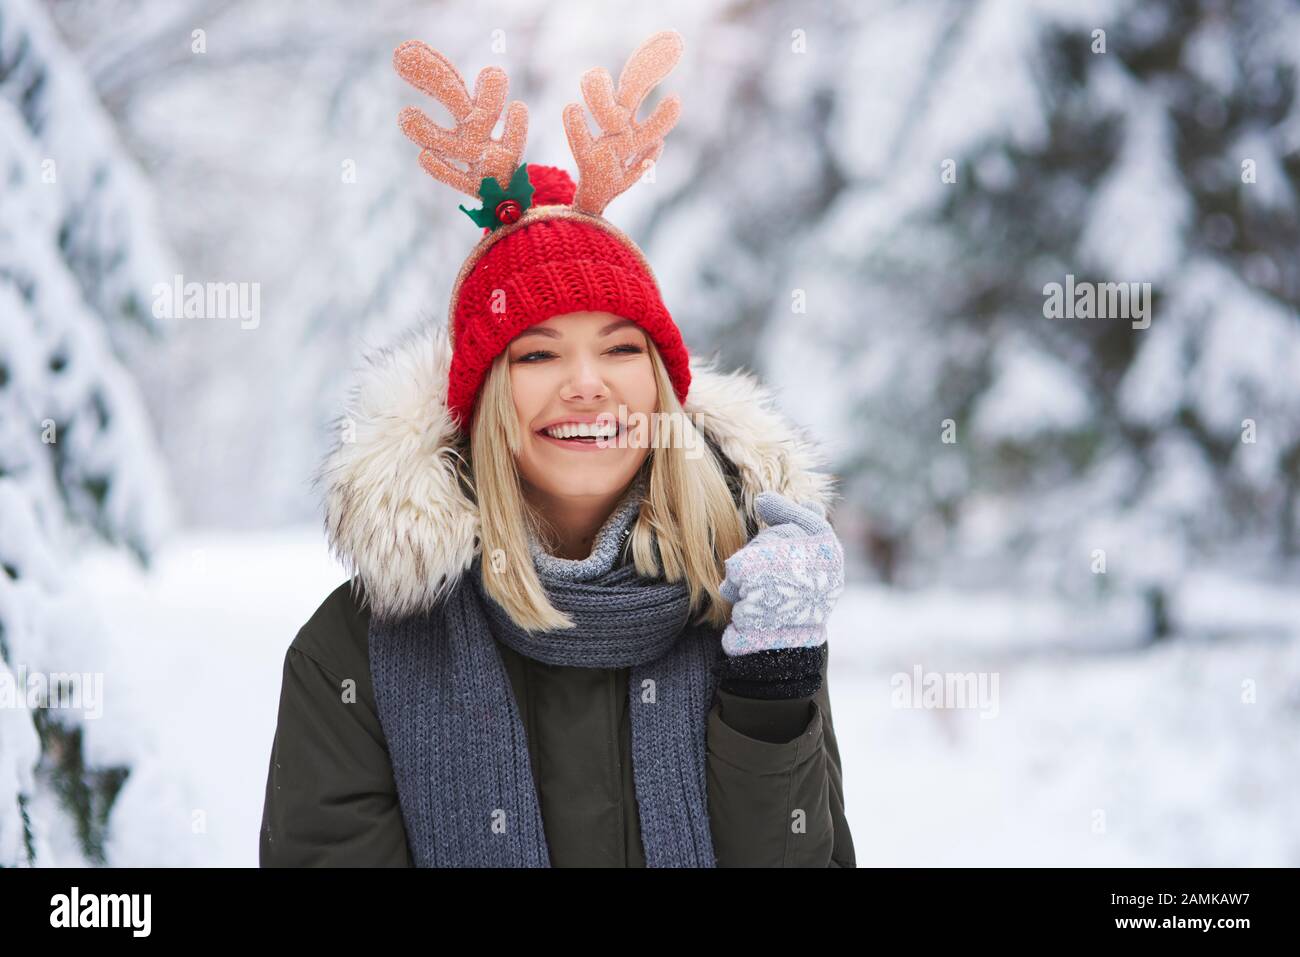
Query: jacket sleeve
pixel 776 794
pixel 330 796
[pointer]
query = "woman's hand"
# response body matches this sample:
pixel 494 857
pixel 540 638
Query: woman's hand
pixel 784 582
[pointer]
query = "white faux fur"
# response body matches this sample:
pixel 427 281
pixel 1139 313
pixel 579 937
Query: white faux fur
pixel 396 516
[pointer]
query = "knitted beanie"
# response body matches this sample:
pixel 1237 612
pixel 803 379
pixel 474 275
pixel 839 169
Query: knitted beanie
pixel 546 249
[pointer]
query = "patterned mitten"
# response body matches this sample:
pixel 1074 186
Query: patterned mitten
pixel 782 584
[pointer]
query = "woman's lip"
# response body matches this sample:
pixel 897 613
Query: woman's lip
pixel 621 428
pixel 577 446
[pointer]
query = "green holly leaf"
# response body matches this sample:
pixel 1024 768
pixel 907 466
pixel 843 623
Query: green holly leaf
pixel 485 217
pixel 490 191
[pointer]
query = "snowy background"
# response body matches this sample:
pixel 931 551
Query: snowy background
pixel 862 203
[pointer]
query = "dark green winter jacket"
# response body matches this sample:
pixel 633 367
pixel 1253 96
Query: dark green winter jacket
pixel 775 791
pixel 775 785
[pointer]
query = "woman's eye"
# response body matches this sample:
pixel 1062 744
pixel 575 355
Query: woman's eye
pixel 539 354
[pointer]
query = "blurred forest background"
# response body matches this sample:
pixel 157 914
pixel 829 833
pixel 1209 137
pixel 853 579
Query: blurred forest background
pixel 862 203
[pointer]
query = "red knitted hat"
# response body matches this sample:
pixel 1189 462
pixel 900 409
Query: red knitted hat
pixel 546 249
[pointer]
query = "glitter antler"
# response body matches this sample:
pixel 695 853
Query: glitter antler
pixel 471 141
pixel 609 165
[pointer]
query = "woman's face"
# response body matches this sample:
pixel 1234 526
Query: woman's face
pixel 575 368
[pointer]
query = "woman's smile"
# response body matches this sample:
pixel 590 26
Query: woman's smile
pixel 584 443
pixel 586 432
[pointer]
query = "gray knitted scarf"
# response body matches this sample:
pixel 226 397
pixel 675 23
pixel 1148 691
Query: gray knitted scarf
pixel 455 736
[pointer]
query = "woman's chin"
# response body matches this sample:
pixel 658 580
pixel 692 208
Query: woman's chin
pixel 584 470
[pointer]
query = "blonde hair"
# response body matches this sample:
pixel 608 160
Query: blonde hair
pixel 688 509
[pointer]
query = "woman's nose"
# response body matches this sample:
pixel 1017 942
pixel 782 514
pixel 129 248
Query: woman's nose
pixel 585 381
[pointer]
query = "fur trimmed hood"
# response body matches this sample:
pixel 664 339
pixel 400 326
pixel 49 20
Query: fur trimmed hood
pixel 398 517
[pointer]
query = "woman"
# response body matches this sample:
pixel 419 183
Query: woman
pixel 566 641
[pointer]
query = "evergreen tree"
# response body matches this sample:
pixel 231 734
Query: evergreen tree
pixel 78 256
pixel 1137 143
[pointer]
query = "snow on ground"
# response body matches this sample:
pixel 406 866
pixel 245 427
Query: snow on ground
pixel 1152 757
pixel 195 666
pixel 1186 753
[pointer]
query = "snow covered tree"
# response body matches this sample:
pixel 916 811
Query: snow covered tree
pixel 78 256
pixel 294 177
pixel 1016 146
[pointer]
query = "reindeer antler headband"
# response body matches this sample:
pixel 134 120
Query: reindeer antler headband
pixel 607 165
pixel 553 253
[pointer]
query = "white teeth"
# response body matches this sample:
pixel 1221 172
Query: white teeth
pixel 573 430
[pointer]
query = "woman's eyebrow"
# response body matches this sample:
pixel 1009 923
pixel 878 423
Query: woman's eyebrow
pixel 547 331
pixel 619 324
